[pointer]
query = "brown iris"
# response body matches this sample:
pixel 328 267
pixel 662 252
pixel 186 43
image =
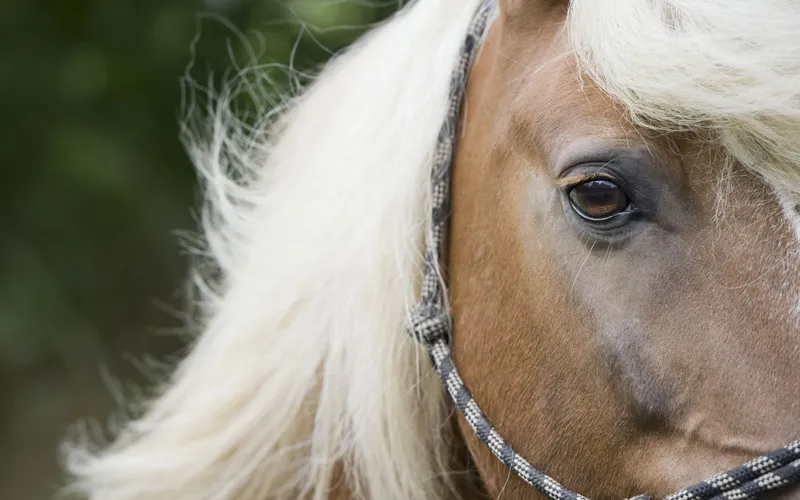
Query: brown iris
pixel 598 199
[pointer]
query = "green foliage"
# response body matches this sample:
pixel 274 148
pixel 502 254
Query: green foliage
pixel 94 183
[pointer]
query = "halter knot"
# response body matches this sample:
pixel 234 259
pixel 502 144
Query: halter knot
pixel 429 324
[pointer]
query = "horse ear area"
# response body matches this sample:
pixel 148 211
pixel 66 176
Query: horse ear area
pixel 532 9
pixel 528 16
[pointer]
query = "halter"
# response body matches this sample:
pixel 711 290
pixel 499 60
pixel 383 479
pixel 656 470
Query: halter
pixel 431 325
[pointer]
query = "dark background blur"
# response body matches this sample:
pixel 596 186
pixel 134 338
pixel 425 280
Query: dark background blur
pixel 94 186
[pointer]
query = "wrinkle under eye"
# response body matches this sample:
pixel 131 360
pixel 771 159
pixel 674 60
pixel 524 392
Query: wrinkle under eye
pixel 598 199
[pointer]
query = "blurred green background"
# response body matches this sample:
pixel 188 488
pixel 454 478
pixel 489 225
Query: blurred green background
pixel 95 185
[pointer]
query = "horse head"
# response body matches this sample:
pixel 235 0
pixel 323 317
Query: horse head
pixel 585 212
pixel 625 287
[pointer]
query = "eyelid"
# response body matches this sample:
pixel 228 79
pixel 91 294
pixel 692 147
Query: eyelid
pixel 573 180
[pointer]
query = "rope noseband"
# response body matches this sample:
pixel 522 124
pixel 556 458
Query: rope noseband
pixel 431 325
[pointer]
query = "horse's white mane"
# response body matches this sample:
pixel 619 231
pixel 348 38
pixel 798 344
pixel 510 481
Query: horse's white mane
pixel 304 370
pixel 305 363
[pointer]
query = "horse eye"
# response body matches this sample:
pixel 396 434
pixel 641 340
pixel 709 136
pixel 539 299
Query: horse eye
pixel 598 199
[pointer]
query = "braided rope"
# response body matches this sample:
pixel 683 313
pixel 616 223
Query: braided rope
pixel 443 362
pixel 773 470
pixel 430 324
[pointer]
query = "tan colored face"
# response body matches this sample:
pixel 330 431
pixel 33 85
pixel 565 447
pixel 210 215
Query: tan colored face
pixel 637 352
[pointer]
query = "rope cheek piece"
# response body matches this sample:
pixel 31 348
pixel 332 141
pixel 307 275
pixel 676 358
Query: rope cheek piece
pixel 431 325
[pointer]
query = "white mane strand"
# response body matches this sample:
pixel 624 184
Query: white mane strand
pixel 304 367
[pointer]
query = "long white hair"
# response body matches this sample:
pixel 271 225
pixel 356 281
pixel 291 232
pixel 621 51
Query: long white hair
pixel 304 367
pixel 303 374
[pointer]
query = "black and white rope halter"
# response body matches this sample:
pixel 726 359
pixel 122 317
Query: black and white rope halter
pixel 431 325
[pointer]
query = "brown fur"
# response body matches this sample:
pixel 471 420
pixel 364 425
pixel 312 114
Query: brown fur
pixel 624 369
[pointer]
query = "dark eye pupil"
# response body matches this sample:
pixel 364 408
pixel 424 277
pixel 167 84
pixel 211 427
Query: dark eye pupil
pixel 598 199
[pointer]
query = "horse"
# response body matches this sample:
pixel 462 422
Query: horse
pixel 585 212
